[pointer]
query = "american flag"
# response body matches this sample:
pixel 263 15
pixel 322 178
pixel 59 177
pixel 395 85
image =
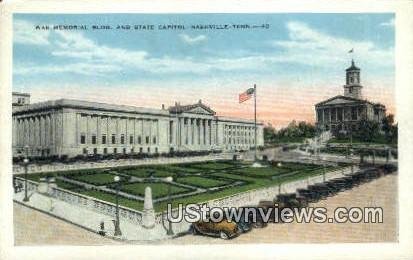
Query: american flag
pixel 246 95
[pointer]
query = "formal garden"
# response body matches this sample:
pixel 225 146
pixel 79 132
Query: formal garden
pixel 192 182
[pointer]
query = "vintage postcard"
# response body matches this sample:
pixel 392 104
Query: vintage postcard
pixel 203 128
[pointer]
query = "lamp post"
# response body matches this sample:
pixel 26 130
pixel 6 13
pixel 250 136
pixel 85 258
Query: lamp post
pixel 324 168
pixel 26 163
pixel 118 232
pixel 169 180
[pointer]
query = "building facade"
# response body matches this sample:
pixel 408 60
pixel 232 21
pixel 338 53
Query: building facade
pixel 343 113
pixel 20 99
pixel 72 127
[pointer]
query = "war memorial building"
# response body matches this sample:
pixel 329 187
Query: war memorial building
pixel 73 127
pixel 343 113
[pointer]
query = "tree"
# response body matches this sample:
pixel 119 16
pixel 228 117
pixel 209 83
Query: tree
pixel 388 127
pixel 367 131
pixel 269 133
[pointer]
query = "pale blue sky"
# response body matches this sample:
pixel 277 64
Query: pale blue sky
pixel 301 50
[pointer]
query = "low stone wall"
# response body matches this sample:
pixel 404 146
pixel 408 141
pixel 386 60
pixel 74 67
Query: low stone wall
pixel 34 168
pixel 87 202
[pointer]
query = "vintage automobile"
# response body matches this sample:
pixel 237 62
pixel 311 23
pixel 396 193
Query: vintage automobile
pixel 287 200
pixel 222 229
pixel 309 195
pixel 267 205
pixel 257 223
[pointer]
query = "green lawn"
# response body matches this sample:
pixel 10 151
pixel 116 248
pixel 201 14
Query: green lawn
pixel 178 168
pixel 213 165
pixel 133 204
pixel 159 190
pixel 67 186
pixel 203 182
pixel 262 172
pixel 379 140
pixel 214 174
pixel 96 179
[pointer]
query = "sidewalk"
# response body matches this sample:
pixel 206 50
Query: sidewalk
pixel 90 220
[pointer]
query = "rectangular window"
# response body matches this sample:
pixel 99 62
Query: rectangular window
pixel 105 150
pixel 93 139
pixel 95 151
pixel 84 151
pixel 103 139
pixel 113 139
pixel 132 150
pixel 122 139
pixel 156 149
pixel 154 140
pixel 149 150
pixel 131 139
pixel 147 140
pixel 124 150
pixel 83 139
pixel 115 150
pixel 139 140
pixel 140 150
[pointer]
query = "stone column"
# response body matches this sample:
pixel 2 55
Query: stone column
pixel 193 122
pixel 323 115
pixel 182 135
pixel 43 130
pixel 38 133
pixel 201 132
pixel 336 114
pixel 196 128
pixel 88 130
pixel 14 136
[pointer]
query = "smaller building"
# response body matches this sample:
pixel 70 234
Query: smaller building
pixel 20 99
pixel 343 113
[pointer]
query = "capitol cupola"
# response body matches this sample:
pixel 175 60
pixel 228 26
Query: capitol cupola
pixel 352 87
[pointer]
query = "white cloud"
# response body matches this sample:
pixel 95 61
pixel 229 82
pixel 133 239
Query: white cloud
pixel 25 33
pixel 311 47
pixel 192 40
pixel 78 68
pixel 306 46
pixel 389 23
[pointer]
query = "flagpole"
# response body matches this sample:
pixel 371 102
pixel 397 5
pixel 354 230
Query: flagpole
pixel 255 120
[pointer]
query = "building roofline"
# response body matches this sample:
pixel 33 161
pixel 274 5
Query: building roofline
pixel 21 93
pixel 237 120
pixel 88 105
pixel 348 98
pixel 177 108
pixel 81 104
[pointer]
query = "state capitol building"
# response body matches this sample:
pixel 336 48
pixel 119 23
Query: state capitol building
pixel 70 128
pixel 343 113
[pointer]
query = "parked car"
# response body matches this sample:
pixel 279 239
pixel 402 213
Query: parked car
pixel 259 221
pixel 266 205
pixel 288 200
pixel 310 195
pixel 222 229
